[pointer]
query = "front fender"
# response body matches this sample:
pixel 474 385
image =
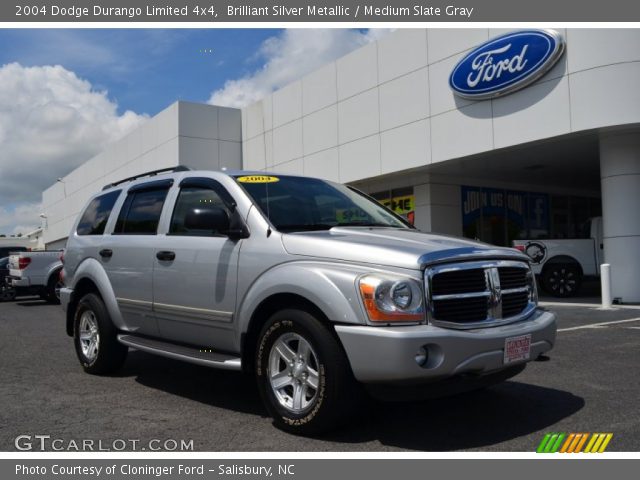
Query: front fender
pixel 92 270
pixel 330 286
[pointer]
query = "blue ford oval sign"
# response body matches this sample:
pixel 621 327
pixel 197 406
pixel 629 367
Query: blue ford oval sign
pixel 506 63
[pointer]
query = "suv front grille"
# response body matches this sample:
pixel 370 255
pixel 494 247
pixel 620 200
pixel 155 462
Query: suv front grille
pixel 477 294
pixel 512 277
pixel 461 310
pixel 459 281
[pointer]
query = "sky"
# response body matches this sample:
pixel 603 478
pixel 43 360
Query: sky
pixel 65 94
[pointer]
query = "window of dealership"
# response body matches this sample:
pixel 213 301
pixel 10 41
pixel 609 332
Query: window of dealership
pixel 499 216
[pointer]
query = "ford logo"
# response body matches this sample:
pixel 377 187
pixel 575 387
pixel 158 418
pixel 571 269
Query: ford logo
pixel 506 64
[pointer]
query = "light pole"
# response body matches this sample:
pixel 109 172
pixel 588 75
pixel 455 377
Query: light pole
pixel 64 185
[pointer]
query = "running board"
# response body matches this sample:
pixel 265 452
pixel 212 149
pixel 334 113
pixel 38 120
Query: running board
pixel 206 358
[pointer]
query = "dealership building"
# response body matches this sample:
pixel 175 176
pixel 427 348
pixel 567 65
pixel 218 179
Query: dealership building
pixel 533 160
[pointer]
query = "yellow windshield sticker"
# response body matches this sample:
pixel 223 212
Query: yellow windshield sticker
pixel 258 179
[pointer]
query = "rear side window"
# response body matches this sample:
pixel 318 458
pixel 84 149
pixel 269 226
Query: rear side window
pixel 140 212
pixel 95 217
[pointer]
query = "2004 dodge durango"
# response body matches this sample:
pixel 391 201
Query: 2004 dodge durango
pixel 313 287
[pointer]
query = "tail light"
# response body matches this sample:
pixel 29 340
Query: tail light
pixel 520 248
pixel 23 262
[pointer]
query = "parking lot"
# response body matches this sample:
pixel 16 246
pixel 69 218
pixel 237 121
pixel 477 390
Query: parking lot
pixel 589 383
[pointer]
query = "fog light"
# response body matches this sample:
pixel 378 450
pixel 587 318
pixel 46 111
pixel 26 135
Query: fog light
pixel 422 357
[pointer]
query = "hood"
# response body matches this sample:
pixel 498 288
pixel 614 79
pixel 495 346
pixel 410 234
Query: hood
pixel 394 247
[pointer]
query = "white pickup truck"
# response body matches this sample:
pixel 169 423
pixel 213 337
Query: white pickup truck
pixel 561 264
pixel 37 273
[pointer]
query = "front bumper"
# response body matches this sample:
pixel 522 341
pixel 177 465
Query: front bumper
pixel 387 354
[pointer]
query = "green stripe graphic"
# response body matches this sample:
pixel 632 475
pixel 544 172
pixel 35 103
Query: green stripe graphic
pixel 543 443
pixel 550 443
pixel 558 442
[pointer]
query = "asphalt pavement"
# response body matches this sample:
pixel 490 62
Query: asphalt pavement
pixel 588 383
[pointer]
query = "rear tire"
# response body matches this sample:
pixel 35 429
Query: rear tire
pixel 303 375
pixel 562 280
pixel 95 337
pixel 52 291
pixel 7 293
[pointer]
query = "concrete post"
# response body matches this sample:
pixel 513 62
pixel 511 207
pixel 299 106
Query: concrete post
pixel 605 281
pixel 620 179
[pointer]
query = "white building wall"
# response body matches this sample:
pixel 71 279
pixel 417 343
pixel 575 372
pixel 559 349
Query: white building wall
pixel 195 135
pixel 387 107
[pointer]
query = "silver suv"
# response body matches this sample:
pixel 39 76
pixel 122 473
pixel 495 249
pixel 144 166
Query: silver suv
pixel 311 286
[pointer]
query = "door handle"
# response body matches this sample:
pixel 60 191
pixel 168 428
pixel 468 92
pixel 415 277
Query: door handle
pixel 165 255
pixel 106 253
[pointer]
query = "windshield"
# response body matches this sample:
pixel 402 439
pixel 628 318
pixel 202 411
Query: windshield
pixel 303 204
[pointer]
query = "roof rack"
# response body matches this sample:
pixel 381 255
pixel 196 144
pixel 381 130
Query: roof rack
pixel 179 168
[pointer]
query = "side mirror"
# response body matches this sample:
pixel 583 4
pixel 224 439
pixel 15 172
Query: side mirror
pixel 212 219
pixel 237 227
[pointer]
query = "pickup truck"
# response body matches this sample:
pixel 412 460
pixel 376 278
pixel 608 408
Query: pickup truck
pixel 562 264
pixel 271 275
pixel 36 273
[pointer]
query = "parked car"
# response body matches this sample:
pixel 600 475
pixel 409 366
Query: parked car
pixel 37 273
pixel 311 286
pixel 7 292
pixel 562 264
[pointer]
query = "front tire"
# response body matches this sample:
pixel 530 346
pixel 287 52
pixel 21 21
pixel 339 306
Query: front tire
pixel 562 280
pixel 303 375
pixel 95 337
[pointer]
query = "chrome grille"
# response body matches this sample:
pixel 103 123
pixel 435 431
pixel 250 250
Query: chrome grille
pixel 479 294
pixel 459 281
pixel 461 310
pixel 512 277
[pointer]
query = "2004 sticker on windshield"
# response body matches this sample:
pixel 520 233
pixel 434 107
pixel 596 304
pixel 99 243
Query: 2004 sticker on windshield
pixel 258 179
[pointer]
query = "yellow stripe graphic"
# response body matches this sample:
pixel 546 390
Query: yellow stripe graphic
pixel 596 445
pixel 607 439
pixel 582 441
pixel 591 442
pixel 566 444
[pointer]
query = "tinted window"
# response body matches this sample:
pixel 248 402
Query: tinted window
pixel 3 262
pixel 140 213
pixel 193 198
pixel 300 203
pixel 95 217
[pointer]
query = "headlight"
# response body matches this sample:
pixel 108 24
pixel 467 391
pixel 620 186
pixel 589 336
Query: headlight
pixel 391 299
pixel 401 294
